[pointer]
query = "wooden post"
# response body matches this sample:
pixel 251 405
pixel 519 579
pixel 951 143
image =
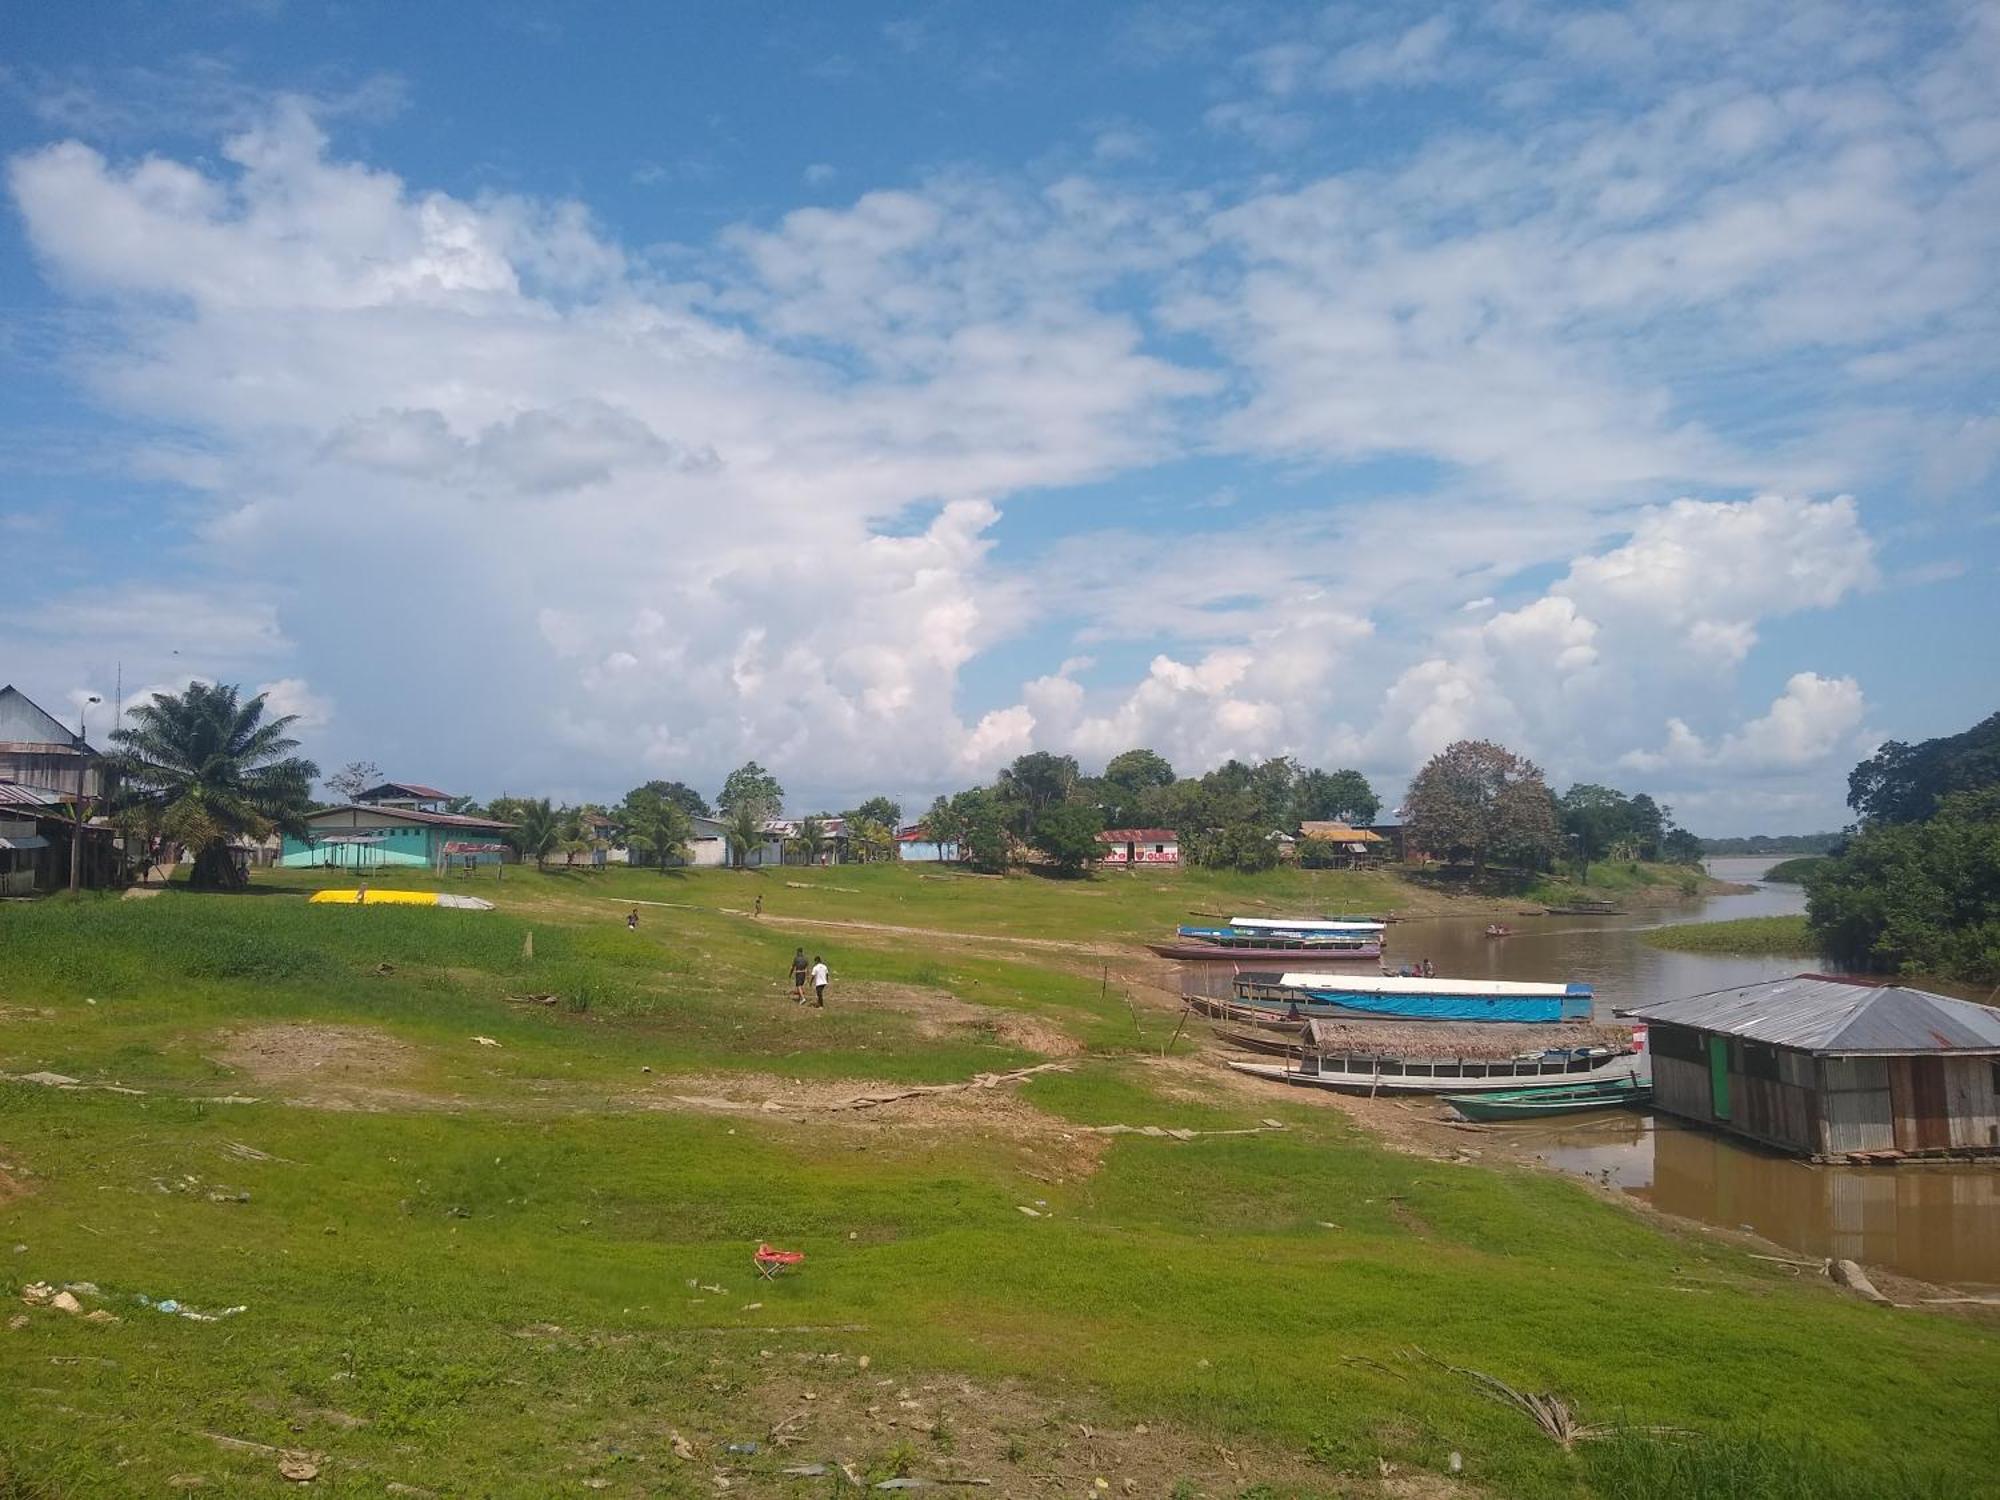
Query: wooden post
pixel 1171 1041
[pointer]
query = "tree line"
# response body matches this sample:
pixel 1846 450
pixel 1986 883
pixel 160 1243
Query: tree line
pixel 1915 886
pixel 203 767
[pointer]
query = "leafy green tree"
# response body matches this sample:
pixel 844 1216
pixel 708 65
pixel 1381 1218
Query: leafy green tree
pixel 468 806
pixel 976 823
pixel 743 827
pixel 1904 783
pixel 214 769
pixel 750 785
pixel 683 796
pixel 1477 800
pixel 1646 824
pixel 876 810
pixel 537 830
pixel 1593 818
pixel 1066 835
pixel 1246 846
pixel 1916 897
pixel 1336 797
pixel 657 822
pixel 1122 789
pixel 1034 783
pixel 1679 847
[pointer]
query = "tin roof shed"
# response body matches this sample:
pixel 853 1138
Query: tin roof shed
pixel 1835 1017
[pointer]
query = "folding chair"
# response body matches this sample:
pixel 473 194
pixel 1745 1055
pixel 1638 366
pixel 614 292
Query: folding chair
pixel 770 1262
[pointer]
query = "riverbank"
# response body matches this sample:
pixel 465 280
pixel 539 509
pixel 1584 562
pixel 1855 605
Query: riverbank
pixel 1781 936
pixel 488 1216
pixel 1794 871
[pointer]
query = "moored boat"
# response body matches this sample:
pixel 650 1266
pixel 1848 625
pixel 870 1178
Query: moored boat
pixel 1203 950
pixel 1375 1073
pixel 1567 1098
pixel 1406 998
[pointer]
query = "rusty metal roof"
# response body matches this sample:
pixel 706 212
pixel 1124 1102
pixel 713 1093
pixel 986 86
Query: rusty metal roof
pixel 1818 1013
pixel 14 794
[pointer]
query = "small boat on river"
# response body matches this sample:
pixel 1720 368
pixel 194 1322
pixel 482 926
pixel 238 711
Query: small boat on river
pixel 1585 909
pixel 1376 1073
pixel 1277 940
pixel 1540 1102
pixel 1304 995
pixel 1498 929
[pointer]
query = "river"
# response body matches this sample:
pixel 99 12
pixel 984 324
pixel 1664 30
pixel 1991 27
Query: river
pixel 1939 1223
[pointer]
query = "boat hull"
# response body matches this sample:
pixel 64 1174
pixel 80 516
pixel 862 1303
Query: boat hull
pixel 1218 953
pixel 1558 1099
pixel 1363 1075
pixel 1347 1005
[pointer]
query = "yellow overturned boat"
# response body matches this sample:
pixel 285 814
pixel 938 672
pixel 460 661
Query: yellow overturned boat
pixel 365 897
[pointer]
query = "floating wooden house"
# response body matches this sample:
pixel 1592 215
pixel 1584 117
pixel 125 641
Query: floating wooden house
pixel 1831 1068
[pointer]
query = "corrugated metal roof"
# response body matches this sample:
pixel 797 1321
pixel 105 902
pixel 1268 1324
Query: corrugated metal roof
pixel 1818 1014
pixel 411 788
pixel 13 794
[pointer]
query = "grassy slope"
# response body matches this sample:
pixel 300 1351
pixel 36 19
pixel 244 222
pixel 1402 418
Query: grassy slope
pixel 1754 935
pixel 392 1260
pixel 1794 871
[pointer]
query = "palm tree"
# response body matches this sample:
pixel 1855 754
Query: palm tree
pixel 536 831
pixel 805 843
pixel 213 769
pixel 745 829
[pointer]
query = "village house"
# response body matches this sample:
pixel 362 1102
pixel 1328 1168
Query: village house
pixel 44 767
pixel 397 824
pixel 1356 846
pixel 1831 1067
pixel 915 844
pixel 1139 846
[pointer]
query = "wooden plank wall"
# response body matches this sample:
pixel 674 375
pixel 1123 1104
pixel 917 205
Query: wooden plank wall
pixel 1681 1088
pixel 1854 1105
pixel 1972 1102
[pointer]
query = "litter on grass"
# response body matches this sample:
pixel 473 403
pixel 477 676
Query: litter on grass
pixel 170 1305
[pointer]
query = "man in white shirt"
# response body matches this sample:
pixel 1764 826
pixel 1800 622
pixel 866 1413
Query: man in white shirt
pixel 819 982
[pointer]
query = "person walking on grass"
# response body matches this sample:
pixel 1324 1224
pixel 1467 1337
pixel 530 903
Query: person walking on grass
pixel 632 920
pixel 819 982
pixel 799 969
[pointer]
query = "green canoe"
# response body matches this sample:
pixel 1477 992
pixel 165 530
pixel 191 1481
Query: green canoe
pixel 1553 1099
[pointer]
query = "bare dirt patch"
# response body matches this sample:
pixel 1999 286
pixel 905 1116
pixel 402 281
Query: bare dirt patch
pixel 938 1013
pixel 11 1187
pixel 1051 1150
pixel 814 1416
pixel 341 1064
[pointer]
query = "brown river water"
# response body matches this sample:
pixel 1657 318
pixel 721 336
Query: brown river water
pixel 1939 1223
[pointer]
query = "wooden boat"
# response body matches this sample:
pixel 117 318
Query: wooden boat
pixel 1496 929
pixel 1373 1073
pixel 1542 1101
pixel 1241 1015
pixel 1586 909
pixel 1301 995
pixel 1198 951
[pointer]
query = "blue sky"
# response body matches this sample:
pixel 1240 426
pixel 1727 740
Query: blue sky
pixel 548 397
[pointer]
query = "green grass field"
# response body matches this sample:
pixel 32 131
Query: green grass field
pixel 1755 935
pixel 524 1268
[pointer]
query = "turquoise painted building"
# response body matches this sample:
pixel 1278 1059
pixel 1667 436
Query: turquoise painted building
pixel 369 836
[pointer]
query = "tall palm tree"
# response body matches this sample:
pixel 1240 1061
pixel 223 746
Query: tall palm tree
pixel 213 769
pixel 537 830
pixel 745 829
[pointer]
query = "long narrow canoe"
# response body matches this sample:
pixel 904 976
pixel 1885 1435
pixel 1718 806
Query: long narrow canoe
pixel 1361 1074
pixel 1535 1103
pixel 1308 924
pixel 1199 951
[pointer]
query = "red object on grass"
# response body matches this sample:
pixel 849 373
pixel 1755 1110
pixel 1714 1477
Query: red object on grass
pixel 770 1261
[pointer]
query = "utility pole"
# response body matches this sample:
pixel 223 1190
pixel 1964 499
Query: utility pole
pixel 76 833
